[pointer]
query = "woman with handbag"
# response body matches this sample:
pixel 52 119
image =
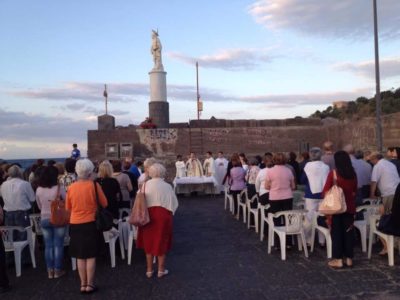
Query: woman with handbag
pixel 342 229
pixel 48 191
pixel 86 239
pixel 156 236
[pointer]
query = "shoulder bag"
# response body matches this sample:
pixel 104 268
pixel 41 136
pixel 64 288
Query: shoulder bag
pixel 140 215
pixel 59 215
pixel 334 201
pixel 104 218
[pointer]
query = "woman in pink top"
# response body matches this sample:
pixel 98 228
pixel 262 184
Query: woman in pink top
pixel 53 236
pixel 280 183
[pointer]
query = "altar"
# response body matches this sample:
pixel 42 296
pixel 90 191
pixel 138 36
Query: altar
pixel 204 184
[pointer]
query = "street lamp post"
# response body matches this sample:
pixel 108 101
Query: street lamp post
pixel 378 84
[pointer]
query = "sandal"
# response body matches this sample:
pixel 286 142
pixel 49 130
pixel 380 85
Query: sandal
pixel 336 264
pixel 162 273
pixel 149 274
pixel 92 290
pixel 83 289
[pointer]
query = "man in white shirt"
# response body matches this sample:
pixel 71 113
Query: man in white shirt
pixel 221 165
pixel 385 178
pixel 18 196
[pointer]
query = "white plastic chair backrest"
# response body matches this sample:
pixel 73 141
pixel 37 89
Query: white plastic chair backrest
pixel 7 234
pixel 254 198
pixel 293 220
pixel 35 220
pixel 372 201
pixel 264 210
pixel 243 195
pixel 369 210
pixel 124 210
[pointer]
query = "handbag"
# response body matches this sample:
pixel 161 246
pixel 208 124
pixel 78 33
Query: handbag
pixel 59 214
pixel 334 201
pixel 140 215
pixel 104 219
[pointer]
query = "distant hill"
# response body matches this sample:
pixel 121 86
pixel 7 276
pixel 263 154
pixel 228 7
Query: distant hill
pixel 362 107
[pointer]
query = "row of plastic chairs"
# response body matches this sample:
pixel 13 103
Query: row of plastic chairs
pixel 294 224
pixel 293 221
pixel 125 233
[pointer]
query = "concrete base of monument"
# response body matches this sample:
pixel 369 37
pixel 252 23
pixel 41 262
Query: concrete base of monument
pixel 159 113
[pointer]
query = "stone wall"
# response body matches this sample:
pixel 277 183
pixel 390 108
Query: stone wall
pixel 256 138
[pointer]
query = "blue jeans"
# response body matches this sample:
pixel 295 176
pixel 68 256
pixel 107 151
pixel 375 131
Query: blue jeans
pixel 54 244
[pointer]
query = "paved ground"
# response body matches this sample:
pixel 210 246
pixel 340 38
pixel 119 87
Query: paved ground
pixel 216 257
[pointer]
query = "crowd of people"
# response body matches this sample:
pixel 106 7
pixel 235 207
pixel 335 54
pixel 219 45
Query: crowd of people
pixel 113 185
pixel 83 186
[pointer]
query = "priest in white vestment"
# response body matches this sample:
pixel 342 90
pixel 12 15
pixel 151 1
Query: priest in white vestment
pixel 180 167
pixel 193 166
pixel 221 165
pixel 209 165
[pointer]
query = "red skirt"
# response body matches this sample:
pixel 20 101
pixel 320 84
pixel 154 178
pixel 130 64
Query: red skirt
pixel 156 237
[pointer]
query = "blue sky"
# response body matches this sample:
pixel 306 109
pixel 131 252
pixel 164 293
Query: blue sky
pixel 258 59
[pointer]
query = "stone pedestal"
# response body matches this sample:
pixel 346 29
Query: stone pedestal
pixel 159 113
pixel 105 122
pixel 158 105
pixel 158 85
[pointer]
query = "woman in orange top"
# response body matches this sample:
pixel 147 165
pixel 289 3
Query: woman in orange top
pixel 85 238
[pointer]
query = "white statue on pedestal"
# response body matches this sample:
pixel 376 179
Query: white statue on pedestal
pixel 155 49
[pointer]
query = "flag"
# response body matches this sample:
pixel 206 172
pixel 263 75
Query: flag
pixel 105 93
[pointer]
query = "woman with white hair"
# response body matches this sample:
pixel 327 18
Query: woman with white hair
pixel 145 175
pixel 156 237
pixel 314 178
pixel 85 238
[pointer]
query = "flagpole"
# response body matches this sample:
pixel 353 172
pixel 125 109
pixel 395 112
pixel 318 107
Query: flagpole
pixel 379 142
pixel 106 98
pixel 198 94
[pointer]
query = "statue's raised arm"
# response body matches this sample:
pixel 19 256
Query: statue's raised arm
pixel 156 51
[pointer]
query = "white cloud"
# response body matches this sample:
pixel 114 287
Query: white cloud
pixel 389 67
pixel 339 18
pixel 228 59
pixel 31 127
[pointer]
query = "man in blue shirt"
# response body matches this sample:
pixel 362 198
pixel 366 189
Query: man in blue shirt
pixel 75 154
pixel 134 169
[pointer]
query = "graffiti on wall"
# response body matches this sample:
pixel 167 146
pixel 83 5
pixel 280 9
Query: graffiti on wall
pixel 154 139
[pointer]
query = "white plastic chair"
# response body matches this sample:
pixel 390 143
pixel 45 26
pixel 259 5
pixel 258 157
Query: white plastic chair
pixel 228 199
pixel 242 204
pixel 293 226
pixel 131 238
pixel 372 201
pixel 325 231
pixel 252 211
pixel 264 218
pixel 362 225
pixel 7 233
pixel 34 220
pixel 389 239
pixel 122 211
